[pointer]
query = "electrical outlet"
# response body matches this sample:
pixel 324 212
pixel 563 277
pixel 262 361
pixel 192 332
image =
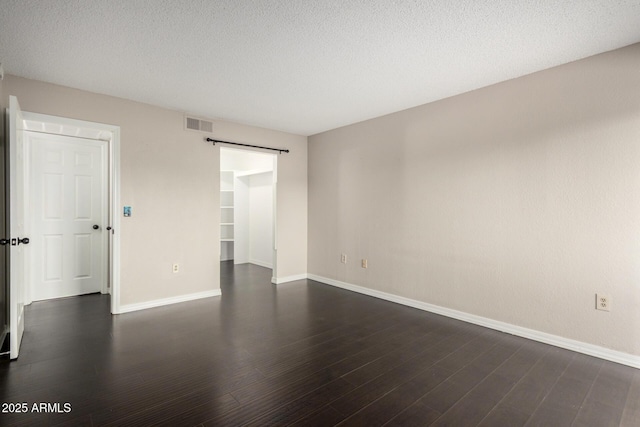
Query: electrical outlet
pixel 343 258
pixel 603 302
pixel 176 268
pixel 364 263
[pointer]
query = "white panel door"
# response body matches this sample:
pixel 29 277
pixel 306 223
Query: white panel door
pixel 18 227
pixel 68 205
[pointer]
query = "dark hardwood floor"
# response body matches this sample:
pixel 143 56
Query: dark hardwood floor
pixel 301 353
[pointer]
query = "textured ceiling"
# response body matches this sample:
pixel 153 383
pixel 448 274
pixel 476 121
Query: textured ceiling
pixel 301 66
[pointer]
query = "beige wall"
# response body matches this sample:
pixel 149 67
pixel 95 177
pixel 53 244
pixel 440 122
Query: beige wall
pixel 170 177
pixel 517 202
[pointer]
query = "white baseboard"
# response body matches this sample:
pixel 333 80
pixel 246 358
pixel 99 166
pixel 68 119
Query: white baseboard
pixel 281 280
pixel 566 343
pixel 167 301
pixel 260 263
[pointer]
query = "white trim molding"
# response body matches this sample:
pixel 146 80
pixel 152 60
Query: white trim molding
pixel 555 340
pixel 111 135
pixel 281 280
pixel 261 263
pixel 127 308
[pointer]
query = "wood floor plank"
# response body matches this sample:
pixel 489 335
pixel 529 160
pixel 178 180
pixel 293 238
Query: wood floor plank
pixel 532 388
pixel 304 405
pixel 446 394
pixel 166 394
pixel 86 396
pixel 400 354
pixel 599 414
pixel 25 416
pixel 418 415
pixel 505 416
pixel 631 412
pixel 346 362
pixel 607 397
pixel 273 399
pixel 507 371
pixel 435 356
pixel 327 416
pixel 565 398
pixel 302 353
pixel 334 350
pixel 176 412
pixel 486 387
pixel 369 325
pixel 82 421
pixel 393 403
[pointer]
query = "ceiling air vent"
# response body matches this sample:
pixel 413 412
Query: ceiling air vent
pixel 193 123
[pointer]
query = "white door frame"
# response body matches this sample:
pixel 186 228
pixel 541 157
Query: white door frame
pixel 111 134
pixel 274 262
pixel 274 270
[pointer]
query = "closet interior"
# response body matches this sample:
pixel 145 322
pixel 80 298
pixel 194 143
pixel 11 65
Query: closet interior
pixel 247 194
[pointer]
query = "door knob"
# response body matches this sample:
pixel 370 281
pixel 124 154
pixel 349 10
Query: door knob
pixel 24 240
pixel 96 226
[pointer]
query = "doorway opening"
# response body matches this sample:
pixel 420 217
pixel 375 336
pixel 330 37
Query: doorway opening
pixel 248 181
pixel 18 162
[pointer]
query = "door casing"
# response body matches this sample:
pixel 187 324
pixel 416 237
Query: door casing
pixel 36 122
